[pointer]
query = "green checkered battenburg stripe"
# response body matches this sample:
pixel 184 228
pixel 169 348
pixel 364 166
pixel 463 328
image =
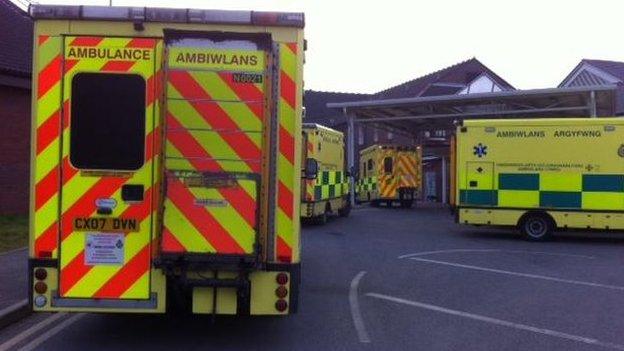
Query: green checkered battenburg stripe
pixel 601 188
pixel 331 184
pixel 366 184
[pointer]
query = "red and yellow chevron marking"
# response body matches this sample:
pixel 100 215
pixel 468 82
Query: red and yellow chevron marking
pixel 289 126
pixel 46 168
pixel 407 169
pixel 387 181
pixel 309 183
pixel 213 125
pixel 130 280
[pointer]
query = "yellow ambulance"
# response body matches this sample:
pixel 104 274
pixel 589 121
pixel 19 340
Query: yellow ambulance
pixel 165 160
pixel 540 175
pixel 389 174
pixel 326 191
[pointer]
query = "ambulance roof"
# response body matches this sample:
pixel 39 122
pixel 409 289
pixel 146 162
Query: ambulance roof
pixel 542 121
pixel 173 15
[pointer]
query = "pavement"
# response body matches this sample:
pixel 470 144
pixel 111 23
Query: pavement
pixel 394 279
pixel 13 290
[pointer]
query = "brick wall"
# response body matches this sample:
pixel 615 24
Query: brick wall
pixel 14 150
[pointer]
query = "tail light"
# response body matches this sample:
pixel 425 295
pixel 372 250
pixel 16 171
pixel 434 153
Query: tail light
pixel 281 278
pixel 41 274
pixel 281 292
pixel 281 305
pixel 41 288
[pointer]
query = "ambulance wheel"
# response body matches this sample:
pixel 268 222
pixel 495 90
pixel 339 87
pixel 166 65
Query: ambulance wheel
pixel 407 203
pixel 374 203
pixel 344 212
pixel 536 226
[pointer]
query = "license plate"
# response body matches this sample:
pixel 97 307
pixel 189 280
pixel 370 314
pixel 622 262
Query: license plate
pixel 106 224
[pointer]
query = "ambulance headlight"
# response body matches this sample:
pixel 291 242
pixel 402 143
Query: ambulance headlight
pixel 40 301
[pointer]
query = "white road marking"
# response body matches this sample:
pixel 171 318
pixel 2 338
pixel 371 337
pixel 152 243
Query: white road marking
pixel 50 333
pixel 499 322
pixel 13 307
pixel 518 274
pixel 425 253
pixel 30 331
pixel 12 251
pixel 358 322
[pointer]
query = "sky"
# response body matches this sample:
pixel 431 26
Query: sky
pixel 365 46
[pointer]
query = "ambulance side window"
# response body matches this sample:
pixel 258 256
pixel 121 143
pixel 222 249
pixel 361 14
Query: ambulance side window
pixel 388 165
pixel 370 164
pixel 364 170
pixel 107 126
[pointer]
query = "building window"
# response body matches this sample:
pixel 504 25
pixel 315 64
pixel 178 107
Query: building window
pixel 370 165
pixel 360 133
pixel 107 126
pixel 390 136
pixel 375 135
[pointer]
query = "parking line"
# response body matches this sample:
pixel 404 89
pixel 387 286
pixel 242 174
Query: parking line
pixel 50 333
pixel 358 321
pixel 426 253
pixel 499 322
pixel 30 331
pixel 518 274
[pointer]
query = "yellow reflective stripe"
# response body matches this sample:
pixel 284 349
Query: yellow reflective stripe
pixel 46 216
pixel 284 222
pixel 287 114
pixel 49 104
pixel 236 226
pixel 288 61
pixel 184 231
pixel 48 51
pixel 98 275
pixel 137 289
pixel 47 160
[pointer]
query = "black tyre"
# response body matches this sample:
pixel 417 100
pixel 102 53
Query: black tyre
pixel 407 203
pixel 374 203
pixel 536 227
pixel 321 219
pixel 344 212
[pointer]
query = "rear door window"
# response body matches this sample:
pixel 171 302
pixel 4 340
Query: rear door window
pixel 388 165
pixel 107 129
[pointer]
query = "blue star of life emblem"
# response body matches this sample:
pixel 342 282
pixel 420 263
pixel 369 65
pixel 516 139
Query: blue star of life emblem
pixel 480 150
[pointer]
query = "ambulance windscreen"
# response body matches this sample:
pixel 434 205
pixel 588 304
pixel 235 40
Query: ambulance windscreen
pixel 107 121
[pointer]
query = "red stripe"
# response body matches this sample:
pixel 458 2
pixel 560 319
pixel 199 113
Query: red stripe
pixel 310 148
pixel 118 66
pixel 72 273
pixel 218 119
pixel 48 131
pixel 292 47
pixel 76 269
pixel 287 145
pixel 244 204
pixel 284 252
pixel 49 76
pixel 154 87
pixel 288 89
pixel 49 185
pixel 69 64
pixel 43 39
pixel 285 199
pixel 126 276
pixel 170 243
pixel 86 41
pixel 141 43
pixel 201 219
pixel 46 242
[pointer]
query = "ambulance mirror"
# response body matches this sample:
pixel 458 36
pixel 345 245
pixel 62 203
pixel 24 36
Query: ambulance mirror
pixel 311 168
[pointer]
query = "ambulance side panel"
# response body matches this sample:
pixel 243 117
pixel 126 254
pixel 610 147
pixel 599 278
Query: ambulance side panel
pixel 571 169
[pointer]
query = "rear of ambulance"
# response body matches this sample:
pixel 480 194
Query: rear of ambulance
pixel 164 160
